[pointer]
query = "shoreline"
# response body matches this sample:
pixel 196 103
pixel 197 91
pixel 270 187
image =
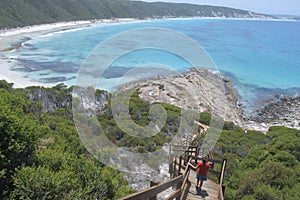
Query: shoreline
pixel 41 29
pixel 12 40
pixel 15 35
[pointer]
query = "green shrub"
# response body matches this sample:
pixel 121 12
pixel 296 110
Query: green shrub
pixel 205 118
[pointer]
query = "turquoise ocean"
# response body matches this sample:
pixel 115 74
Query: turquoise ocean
pixel 260 57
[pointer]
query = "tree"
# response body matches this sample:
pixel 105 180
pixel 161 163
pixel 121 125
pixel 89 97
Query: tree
pixel 18 133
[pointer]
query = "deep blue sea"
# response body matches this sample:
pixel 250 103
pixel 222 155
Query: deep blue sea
pixel 262 58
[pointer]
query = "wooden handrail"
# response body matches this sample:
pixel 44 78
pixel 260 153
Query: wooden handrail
pixel 181 180
pixel 185 180
pixel 221 178
pixel 221 196
pixel 152 191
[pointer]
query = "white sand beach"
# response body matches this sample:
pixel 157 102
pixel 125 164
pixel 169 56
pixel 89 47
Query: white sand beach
pixel 11 40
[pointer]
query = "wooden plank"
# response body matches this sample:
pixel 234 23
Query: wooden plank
pixel 210 189
pixel 206 193
pixel 150 192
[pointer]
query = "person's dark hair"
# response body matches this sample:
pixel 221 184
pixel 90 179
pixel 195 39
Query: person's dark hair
pixel 204 161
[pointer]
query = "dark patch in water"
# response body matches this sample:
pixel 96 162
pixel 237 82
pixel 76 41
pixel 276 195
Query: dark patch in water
pixel 68 67
pixel 110 72
pixel 55 79
pixel 119 71
pixel 57 67
pixel 115 72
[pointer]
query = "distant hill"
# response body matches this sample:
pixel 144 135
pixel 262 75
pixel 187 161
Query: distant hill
pixel 14 13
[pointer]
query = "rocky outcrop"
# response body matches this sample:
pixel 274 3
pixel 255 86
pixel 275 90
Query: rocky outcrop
pixel 50 98
pixel 90 100
pixel 198 89
pixel 284 112
pixel 204 90
pixel 61 97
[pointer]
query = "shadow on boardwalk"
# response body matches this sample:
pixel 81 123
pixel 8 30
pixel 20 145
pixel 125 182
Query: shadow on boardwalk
pixel 210 189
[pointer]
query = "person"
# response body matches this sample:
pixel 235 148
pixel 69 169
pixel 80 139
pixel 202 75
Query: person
pixel 201 173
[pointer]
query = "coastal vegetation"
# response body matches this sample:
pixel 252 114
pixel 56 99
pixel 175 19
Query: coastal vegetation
pixel 139 112
pixel 42 156
pixel 15 13
pixel 261 166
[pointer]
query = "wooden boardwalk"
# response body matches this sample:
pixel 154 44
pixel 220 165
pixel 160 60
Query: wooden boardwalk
pixel 210 190
pixel 184 180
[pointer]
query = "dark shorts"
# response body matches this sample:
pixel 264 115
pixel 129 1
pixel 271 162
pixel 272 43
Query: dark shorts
pixel 202 178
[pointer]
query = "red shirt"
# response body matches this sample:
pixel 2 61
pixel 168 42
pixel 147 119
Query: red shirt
pixel 202 169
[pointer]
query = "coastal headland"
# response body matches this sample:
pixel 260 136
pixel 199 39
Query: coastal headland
pixel 213 93
pixel 203 90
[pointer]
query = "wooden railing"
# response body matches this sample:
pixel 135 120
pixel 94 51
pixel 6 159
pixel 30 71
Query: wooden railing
pixel 179 193
pixel 221 179
pixel 148 193
pixel 179 180
pixel 178 163
pixel 219 174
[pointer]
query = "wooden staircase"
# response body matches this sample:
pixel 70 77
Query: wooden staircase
pixel 183 178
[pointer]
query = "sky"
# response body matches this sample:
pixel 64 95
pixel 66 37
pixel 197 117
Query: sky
pixel 289 7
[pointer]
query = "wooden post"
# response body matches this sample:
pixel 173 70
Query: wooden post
pixel 179 167
pixel 195 159
pixel 178 186
pixel 223 167
pixel 223 189
pixel 174 167
pixel 171 161
pixel 212 165
pixel 151 185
